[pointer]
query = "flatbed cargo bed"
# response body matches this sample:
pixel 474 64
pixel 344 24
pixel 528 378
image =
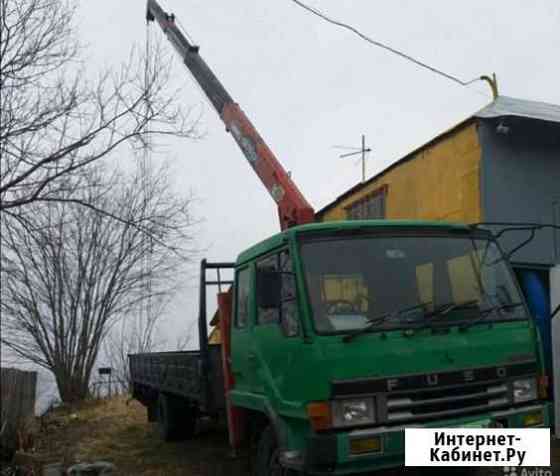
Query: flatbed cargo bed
pixel 180 374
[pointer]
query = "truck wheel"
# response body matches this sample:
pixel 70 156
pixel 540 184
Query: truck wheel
pixel 176 418
pixel 186 418
pixel 266 461
pixel 165 418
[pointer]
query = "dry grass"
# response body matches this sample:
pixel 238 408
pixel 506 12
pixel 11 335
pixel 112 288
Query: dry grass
pixel 111 430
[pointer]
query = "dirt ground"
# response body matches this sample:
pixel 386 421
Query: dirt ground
pixel 118 431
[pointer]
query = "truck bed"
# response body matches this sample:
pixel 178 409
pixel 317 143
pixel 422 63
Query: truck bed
pixel 179 374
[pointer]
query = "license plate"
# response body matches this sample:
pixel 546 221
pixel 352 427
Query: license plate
pixel 365 445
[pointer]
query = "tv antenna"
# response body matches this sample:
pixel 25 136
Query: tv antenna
pixel 363 150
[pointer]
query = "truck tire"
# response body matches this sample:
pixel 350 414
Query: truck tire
pixel 266 460
pixel 176 418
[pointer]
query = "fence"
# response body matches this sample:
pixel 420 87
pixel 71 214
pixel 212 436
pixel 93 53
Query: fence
pixel 18 404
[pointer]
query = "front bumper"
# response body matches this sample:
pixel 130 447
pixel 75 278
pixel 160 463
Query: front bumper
pixel 330 453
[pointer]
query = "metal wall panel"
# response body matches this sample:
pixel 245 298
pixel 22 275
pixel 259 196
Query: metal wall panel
pixel 520 182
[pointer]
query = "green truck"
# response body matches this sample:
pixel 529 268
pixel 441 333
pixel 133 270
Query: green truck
pixel 342 334
pixel 335 337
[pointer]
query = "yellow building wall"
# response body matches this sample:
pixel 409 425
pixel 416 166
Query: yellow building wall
pixel 440 182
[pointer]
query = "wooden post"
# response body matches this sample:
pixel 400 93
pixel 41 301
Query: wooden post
pixel 18 393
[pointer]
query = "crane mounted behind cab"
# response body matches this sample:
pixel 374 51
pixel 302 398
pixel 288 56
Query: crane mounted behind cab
pixel 337 336
pixel 293 208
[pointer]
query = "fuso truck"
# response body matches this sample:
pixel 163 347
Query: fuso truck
pixel 336 336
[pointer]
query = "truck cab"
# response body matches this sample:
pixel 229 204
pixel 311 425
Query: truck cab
pixel 343 334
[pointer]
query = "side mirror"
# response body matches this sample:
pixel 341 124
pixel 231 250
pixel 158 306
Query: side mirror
pixel 269 288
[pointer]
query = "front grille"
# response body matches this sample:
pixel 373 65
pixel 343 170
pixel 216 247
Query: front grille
pixel 423 397
pixel 444 402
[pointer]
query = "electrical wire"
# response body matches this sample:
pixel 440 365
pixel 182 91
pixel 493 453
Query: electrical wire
pixel 384 46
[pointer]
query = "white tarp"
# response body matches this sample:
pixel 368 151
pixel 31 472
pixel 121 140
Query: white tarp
pixel 555 301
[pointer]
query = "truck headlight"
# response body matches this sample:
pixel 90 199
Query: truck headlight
pixel 524 390
pixel 358 411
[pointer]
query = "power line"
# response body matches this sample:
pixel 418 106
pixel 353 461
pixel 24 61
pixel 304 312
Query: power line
pixel 384 46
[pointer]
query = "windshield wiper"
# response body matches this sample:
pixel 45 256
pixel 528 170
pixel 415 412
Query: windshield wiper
pixel 491 310
pixel 371 323
pixel 447 308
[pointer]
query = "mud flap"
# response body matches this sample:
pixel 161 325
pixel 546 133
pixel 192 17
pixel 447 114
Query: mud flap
pixel 555 301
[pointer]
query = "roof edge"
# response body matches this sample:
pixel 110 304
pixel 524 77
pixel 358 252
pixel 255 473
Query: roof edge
pixel 409 156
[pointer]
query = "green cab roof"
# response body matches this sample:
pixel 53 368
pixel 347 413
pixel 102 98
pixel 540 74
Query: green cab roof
pixel 344 225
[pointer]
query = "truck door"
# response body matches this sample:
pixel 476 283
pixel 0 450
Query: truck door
pixel 243 316
pixel 277 335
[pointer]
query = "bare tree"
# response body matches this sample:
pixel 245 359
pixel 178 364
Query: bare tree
pixel 70 274
pixel 139 334
pixel 54 120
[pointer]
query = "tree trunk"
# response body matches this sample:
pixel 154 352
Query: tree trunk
pixel 72 388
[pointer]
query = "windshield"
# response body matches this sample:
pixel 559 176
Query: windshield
pixel 404 281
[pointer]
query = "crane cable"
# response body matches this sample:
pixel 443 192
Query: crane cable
pixel 145 171
pixel 384 46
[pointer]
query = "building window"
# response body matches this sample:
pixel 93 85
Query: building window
pixel 370 207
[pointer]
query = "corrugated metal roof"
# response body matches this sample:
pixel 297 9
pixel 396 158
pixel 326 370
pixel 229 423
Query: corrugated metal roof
pixel 506 106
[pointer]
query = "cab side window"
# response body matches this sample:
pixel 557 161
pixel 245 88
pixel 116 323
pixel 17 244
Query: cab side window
pixel 286 313
pixel 268 316
pixel 242 298
pixel 288 306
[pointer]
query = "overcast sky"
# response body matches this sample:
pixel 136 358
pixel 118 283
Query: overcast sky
pixel 308 85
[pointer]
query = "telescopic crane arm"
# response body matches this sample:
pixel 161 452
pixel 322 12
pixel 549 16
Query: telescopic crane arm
pixel 293 208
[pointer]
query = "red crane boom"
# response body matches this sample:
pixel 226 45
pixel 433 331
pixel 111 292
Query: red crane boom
pixel 293 208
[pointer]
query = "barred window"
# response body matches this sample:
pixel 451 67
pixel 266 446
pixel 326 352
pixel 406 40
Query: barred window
pixel 370 207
